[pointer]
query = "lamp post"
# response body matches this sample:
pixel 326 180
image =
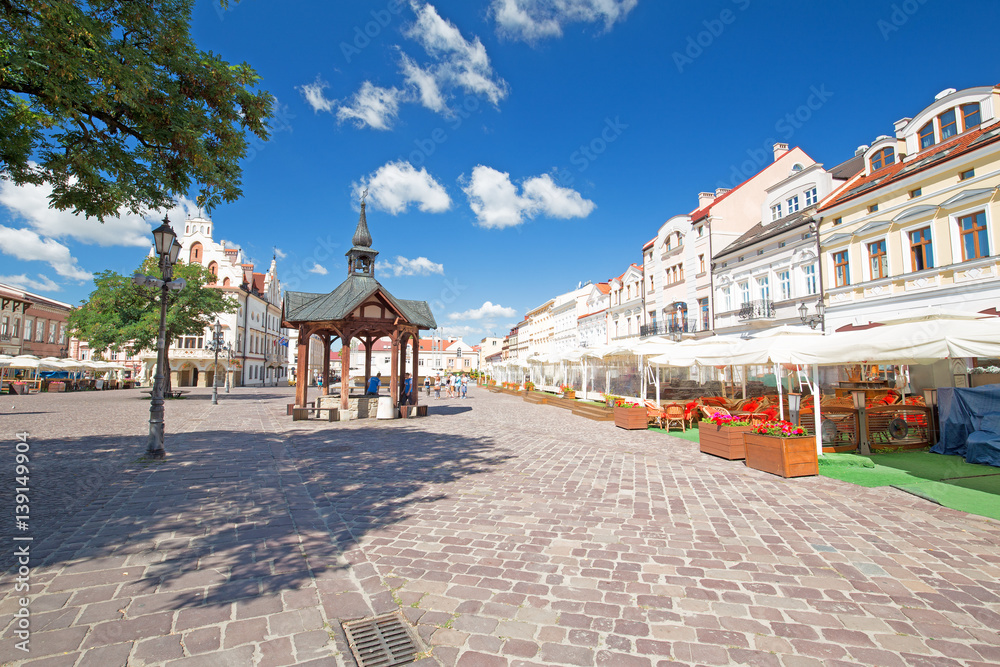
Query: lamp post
pixel 228 349
pixel 859 397
pixel 168 248
pixel 815 319
pixel 216 340
pixel 794 406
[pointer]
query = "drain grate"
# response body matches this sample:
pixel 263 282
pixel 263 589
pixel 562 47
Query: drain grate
pixel 382 641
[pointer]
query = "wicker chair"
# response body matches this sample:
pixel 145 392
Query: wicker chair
pixel 673 413
pixel 710 411
pixel 654 414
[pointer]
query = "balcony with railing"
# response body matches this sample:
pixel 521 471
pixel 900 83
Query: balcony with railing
pixel 756 310
pixel 669 328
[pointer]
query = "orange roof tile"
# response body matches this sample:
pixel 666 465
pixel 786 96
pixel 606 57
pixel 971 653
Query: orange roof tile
pixel 929 157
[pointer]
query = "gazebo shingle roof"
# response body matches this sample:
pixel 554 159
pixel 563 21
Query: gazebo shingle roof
pixel 341 302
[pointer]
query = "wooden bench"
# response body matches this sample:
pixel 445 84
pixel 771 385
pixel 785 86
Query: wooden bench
pixel 299 414
pixel 288 409
pixel 413 411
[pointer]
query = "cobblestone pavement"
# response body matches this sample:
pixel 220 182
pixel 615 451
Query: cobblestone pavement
pixel 507 533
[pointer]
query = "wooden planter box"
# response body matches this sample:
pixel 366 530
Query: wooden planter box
pixel 570 394
pixel 724 441
pixel 788 457
pixel 632 419
pixel 983 379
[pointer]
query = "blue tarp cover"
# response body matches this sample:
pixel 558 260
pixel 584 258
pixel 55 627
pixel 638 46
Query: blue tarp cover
pixel 970 424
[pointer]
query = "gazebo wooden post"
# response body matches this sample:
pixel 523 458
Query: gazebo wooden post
pixel 326 364
pixel 414 390
pixel 394 367
pixel 368 360
pixel 345 367
pixel 404 338
pixel 302 380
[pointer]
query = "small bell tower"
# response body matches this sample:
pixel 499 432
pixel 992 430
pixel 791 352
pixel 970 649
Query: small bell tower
pixel 361 257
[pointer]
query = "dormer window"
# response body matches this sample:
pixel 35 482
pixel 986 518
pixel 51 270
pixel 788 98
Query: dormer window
pixel 926 135
pixel 775 211
pixel 886 156
pixel 793 204
pixel 948 124
pixel 970 115
pixel 811 197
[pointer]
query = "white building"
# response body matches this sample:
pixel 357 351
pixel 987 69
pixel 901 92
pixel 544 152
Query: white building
pixel 592 326
pixel 626 309
pixel 566 311
pixel 536 337
pixel 259 356
pixel 763 277
pixel 438 356
pixel 918 226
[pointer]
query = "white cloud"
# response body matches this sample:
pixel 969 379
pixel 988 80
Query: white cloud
pixel 555 201
pixel 313 92
pixel 421 266
pixel 459 331
pixel 26 245
pixel 373 106
pixel 318 268
pixel 531 20
pixel 426 84
pixel 396 185
pixel 459 62
pixel 43 284
pixel 495 200
pixel 486 310
pixel 31 203
pixel 280 254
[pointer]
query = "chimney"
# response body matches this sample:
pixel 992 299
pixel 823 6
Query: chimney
pixel 705 198
pixel 721 191
pixel 779 150
pixel 861 149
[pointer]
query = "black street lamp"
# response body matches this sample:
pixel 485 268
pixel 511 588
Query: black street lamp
pixel 228 349
pixel 168 248
pixel 216 344
pixel 815 319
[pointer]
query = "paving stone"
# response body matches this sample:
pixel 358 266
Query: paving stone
pixel 609 547
pixel 114 655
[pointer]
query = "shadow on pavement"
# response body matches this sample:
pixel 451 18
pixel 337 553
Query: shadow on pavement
pixel 230 516
pixel 447 410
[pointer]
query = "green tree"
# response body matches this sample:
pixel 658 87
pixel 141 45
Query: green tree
pixel 112 104
pixel 121 316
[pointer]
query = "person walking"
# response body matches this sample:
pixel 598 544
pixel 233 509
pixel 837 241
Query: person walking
pixel 437 386
pixel 465 385
pixel 427 385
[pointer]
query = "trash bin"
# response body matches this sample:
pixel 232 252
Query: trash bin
pixel 385 409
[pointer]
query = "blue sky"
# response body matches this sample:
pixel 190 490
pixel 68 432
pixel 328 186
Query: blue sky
pixel 514 148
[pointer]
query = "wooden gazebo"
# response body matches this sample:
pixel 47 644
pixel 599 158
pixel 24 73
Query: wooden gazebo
pixel 359 308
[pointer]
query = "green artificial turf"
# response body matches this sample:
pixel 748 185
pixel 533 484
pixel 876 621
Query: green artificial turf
pixel 946 480
pixel 690 434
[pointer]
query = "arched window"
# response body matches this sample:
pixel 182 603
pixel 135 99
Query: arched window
pixel 926 135
pixel 195 253
pixel 970 115
pixel 213 268
pixel 883 158
pixel 225 282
